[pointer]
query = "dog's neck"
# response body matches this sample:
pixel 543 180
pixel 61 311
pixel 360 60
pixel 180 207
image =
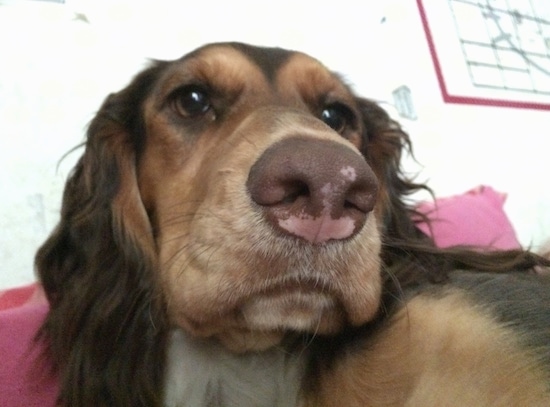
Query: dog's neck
pixel 203 373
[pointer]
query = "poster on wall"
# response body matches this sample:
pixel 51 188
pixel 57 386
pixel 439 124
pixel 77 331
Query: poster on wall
pixel 490 52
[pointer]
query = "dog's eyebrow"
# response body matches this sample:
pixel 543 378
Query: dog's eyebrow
pixel 269 60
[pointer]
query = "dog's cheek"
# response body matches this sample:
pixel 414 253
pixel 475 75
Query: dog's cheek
pixel 202 226
pixel 362 289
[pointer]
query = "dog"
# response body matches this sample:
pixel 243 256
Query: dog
pixel 237 233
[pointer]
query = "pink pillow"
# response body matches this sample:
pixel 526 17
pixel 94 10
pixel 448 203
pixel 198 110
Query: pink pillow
pixel 475 218
pixel 26 378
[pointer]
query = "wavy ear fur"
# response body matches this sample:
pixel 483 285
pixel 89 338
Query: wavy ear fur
pixel 410 257
pixel 106 328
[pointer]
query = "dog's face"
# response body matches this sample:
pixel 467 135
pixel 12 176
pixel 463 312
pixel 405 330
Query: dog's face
pixel 262 206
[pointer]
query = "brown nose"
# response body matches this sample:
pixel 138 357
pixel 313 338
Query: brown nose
pixel 317 190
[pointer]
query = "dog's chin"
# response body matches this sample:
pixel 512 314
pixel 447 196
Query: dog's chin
pixel 269 318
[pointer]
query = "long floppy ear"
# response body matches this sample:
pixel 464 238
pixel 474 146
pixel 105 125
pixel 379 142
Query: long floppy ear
pixel 410 256
pixel 384 143
pixel 106 327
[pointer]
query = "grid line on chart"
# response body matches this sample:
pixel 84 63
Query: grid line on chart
pixel 505 43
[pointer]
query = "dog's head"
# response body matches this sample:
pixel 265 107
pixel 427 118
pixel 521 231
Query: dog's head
pixel 260 203
pixel 239 193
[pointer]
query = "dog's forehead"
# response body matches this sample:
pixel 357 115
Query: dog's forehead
pixel 230 65
pixel 269 61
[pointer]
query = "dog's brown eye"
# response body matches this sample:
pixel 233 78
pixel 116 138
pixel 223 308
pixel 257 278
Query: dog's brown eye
pixel 337 116
pixel 192 101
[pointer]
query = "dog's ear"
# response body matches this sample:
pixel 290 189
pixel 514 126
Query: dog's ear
pixel 105 326
pixel 383 145
pixel 409 255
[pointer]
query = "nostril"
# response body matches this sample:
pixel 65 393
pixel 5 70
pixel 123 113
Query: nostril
pixel 295 190
pixel 269 189
pixel 360 198
pixel 350 205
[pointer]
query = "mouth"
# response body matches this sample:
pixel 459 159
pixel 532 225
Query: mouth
pixel 297 285
pixel 303 306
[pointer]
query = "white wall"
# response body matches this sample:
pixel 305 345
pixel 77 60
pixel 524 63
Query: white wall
pixel 55 70
pixel 461 146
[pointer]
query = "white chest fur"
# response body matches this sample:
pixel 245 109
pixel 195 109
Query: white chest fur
pixel 203 373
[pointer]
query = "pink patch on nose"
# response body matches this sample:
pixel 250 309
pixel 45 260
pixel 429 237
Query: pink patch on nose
pixel 318 229
pixel 349 173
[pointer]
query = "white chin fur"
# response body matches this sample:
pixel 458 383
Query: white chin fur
pixel 288 311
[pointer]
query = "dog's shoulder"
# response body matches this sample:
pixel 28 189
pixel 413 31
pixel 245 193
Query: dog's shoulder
pixel 518 301
pixel 480 339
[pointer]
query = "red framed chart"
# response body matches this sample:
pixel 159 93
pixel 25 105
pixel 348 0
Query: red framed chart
pixel 490 52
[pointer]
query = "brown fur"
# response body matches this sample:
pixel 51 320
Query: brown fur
pixel 157 231
pixel 437 352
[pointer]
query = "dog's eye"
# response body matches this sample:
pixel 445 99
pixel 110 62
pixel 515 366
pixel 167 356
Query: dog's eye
pixel 191 101
pixel 337 116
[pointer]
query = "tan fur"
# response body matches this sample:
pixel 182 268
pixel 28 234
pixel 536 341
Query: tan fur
pixel 437 352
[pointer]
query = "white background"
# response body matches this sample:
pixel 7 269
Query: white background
pixel 55 69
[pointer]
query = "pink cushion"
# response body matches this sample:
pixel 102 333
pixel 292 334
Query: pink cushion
pixel 475 218
pixel 26 379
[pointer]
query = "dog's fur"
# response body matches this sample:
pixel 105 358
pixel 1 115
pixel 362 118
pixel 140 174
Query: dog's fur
pixel 236 233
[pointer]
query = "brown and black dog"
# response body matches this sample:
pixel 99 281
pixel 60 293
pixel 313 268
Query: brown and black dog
pixel 236 233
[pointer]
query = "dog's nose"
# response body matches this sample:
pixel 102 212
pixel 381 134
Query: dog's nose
pixel 317 190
